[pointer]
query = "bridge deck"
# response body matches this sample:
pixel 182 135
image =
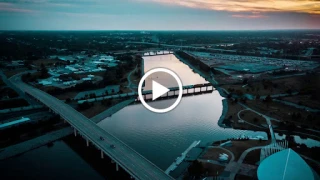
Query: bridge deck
pixel 131 161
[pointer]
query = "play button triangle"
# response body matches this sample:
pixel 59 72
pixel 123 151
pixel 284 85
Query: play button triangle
pixel 158 90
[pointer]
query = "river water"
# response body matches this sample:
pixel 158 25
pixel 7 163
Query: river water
pixel 163 137
pixel 158 137
pixel 56 162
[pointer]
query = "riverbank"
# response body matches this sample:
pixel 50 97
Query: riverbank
pixel 214 83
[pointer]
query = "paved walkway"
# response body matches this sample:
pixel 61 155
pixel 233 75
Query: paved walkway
pixel 129 80
pixel 267 118
pixel 237 166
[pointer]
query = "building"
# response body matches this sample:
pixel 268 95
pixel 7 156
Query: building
pixel 285 165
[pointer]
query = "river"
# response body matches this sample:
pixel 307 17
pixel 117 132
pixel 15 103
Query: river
pixel 158 137
pixel 163 137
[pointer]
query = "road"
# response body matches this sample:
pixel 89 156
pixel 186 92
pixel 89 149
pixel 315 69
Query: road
pixel 131 161
pixel 178 46
pixel 239 162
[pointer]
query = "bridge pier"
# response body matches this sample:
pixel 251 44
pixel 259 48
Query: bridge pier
pixel 102 154
pixel 117 167
pixel 87 142
pixel 75 132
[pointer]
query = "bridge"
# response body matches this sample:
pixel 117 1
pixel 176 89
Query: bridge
pixel 157 53
pixel 187 90
pixel 174 91
pixel 124 156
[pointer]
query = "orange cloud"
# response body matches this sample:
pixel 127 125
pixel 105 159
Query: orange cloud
pixel 300 6
pixel 249 16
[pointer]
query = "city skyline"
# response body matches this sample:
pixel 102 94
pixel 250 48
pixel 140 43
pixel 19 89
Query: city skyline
pixel 159 15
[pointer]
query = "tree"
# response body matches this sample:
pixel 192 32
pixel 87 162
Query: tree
pixel 236 100
pixel 289 91
pixel 109 77
pixel 268 99
pixel 43 71
pixel 245 81
pixel 257 96
pixel 196 169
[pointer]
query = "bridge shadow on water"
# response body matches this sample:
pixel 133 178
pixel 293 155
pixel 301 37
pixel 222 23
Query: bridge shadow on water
pixel 91 155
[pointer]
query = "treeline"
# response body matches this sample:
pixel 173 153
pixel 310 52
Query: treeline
pixel 7 92
pixel 78 87
pixel 13 103
pixel 194 61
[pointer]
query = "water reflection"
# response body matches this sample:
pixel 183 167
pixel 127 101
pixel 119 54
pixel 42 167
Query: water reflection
pixel 162 137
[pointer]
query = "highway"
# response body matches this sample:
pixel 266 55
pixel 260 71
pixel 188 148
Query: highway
pixel 180 46
pixel 127 158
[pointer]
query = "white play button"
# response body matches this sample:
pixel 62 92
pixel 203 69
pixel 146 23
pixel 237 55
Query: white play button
pixel 158 90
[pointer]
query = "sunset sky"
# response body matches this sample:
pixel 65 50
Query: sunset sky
pixel 159 14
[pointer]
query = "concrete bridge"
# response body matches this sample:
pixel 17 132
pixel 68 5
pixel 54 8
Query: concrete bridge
pixel 157 53
pixel 124 156
pixel 187 90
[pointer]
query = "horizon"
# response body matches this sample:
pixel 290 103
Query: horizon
pixel 155 15
pixel 172 30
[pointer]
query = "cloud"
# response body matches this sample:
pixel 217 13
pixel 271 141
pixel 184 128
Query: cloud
pixel 299 6
pixel 248 16
pixel 10 7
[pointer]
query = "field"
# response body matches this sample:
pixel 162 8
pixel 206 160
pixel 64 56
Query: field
pixel 305 100
pixel 284 112
pixel 233 109
pixel 269 87
pixel 252 117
